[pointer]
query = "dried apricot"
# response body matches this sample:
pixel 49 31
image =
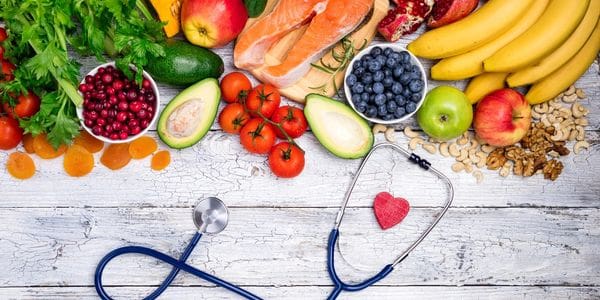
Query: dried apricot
pixel 43 148
pixel 78 161
pixel 116 156
pixel 28 143
pixel 88 142
pixel 20 165
pixel 160 160
pixel 142 147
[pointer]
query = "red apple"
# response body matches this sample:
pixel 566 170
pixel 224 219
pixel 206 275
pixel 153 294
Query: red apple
pixel 212 23
pixel 502 117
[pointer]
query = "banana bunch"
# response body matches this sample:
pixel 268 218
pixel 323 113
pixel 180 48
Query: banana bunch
pixel 548 44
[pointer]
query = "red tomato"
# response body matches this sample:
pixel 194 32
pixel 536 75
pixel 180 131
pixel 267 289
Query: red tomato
pixel 233 117
pixel 10 133
pixel 25 106
pixel 264 98
pixel 7 71
pixel 3 34
pixel 234 84
pixel 286 160
pixel 1 52
pixel 291 119
pixel 257 136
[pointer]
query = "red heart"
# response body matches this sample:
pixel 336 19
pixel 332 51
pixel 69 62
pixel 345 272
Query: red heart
pixel 389 211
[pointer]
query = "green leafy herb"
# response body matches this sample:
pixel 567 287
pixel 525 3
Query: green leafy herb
pixel 255 7
pixel 342 55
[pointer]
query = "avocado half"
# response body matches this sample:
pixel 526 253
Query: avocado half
pixel 337 127
pixel 189 116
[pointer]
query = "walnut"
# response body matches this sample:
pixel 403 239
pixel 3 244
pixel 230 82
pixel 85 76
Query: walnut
pixel 514 153
pixel 539 161
pixel 496 159
pixel 528 167
pixel 560 148
pixel 518 169
pixel 552 169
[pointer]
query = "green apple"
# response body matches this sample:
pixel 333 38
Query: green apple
pixel 445 113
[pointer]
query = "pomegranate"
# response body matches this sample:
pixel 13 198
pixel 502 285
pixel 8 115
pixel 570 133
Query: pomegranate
pixel 404 19
pixel 449 11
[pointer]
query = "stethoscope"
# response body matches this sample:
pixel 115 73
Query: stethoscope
pixel 211 217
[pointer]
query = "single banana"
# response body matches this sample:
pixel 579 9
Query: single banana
pixel 557 58
pixel 484 84
pixel 553 28
pixel 478 28
pixel 470 64
pixel 559 80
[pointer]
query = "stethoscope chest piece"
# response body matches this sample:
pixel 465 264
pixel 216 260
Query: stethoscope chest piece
pixel 211 215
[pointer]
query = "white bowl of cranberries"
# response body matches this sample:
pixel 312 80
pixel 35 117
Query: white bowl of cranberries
pixel 116 109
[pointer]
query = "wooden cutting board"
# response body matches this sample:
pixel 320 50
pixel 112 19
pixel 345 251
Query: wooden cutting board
pixel 316 81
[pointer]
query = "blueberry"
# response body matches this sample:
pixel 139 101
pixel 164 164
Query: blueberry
pixel 406 93
pixel 351 80
pixel 366 78
pixel 378 76
pixel 389 95
pixel 381 59
pixel 364 97
pixel 415 86
pixel 366 59
pixel 387 72
pixel 387 51
pixel 380 99
pixel 369 88
pixel 404 78
pixel 390 62
pixel 357 64
pixel 398 71
pixel 361 107
pixel 410 107
pixel 404 57
pixel 395 55
pixel 358 71
pixel 378 88
pixel 400 100
pixel 415 69
pixel 391 106
pixel 382 111
pixel 414 75
pixel 356 98
pixel 358 88
pixel 416 97
pixel 399 112
pixel 388 82
pixel 374 65
pixel 388 117
pixel 376 51
pixel 397 88
pixel 371 111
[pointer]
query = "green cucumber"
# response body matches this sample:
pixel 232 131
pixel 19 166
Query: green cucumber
pixel 185 64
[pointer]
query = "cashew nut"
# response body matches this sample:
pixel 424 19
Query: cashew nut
pixel 572 134
pixel 487 148
pixel 379 128
pixel 535 115
pixel 570 98
pixel 570 90
pixel 429 148
pixel 444 150
pixel 468 167
pixel 580 93
pixel 462 141
pixel 410 133
pixel 580 145
pixel 463 155
pixel 505 170
pixel 541 108
pixel 567 123
pixel 553 154
pixel 458 166
pixel 565 113
pixel 544 120
pixel 578 110
pixel 474 144
pixel 482 159
pixel 478 176
pixel 390 135
pixel 582 122
pixel 453 150
pixel 414 142
pixel 552 119
pixel 554 104
pixel 580 133
pixel 558 135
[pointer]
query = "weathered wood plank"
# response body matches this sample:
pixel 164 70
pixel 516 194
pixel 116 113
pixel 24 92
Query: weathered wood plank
pixel 311 292
pixel 219 166
pixel 275 247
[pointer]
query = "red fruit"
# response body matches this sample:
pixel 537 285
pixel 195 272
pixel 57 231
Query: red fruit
pixel 7 71
pixel 3 34
pixel 390 211
pixel 448 11
pixel 1 52
pixel 404 19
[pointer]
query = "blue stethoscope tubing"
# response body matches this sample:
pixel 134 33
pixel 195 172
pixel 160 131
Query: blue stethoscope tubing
pixel 177 266
pixel 340 285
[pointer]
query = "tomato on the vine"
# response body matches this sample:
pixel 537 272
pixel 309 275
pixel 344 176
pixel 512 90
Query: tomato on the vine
pixel 25 106
pixel 233 117
pixel 3 34
pixel 264 97
pixel 10 133
pixel 235 85
pixel 257 136
pixel 7 71
pixel 1 52
pixel 286 160
pixel 291 119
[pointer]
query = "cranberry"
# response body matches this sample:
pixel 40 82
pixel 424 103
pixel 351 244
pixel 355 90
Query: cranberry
pixel 135 130
pixel 117 126
pixel 104 113
pixel 117 85
pixel 123 106
pixel 105 134
pixel 121 116
pixel 89 79
pixel 101 121
pixel 141 98
pixel 87 96
pixel 110 90
pixel 112 113
pixel 97 130
pixel 135 106
pixel 100 87
pixel 93 115
pixel 83 88
pixel 130 115
pixel 145 123
pixel 89 106
pixel 101 70
pixel 90 87
pixel 110 69
pixel 144 105
pixel 107 78
pixel 123 135
pixel 146 84
pixel 150 110
pixel 88 123
pixel 131 95
pixel 142 114
pixel 133 123
pixel 150 97
pixel 114 136
pixel 108 128
pixel 97 77
pixel 113 100
pixel 121 96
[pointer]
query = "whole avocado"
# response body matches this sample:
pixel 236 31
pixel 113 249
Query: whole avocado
pixel 185 64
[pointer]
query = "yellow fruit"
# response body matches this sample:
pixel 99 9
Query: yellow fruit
pixel 555 25
pixel 470 64
pixel 168 11
pixel 553 84
pixel 478 28
pixel 562 54
pixel 484 84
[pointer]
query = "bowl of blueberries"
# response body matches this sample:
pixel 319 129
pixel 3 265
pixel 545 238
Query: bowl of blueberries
pixel 385 84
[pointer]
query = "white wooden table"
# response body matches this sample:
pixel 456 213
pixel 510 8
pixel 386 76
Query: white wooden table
pixel 504 238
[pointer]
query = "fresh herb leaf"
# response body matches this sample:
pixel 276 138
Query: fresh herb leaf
pixel 255 7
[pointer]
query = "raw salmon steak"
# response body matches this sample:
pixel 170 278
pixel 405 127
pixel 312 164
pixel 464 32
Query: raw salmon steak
pixel 253 43
pixel 339 19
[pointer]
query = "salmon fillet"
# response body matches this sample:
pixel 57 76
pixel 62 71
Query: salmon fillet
pixel 326 29
pixel 253 43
